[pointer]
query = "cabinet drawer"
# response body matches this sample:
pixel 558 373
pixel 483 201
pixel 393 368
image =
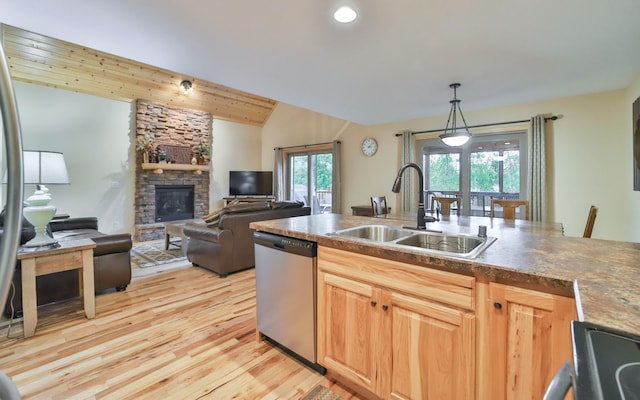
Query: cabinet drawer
pixel 445 287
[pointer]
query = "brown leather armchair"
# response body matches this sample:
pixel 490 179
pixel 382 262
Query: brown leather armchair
pixel 227 246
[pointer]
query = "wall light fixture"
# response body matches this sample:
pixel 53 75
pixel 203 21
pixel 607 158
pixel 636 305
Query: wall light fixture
pixel 186 86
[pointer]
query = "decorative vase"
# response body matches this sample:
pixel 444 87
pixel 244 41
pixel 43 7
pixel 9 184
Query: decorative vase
pixel 145 157
pixel 194 160
pixel 201 160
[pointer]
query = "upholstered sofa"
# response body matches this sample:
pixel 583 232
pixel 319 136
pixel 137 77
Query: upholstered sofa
pixel 111 259
pixel 227 246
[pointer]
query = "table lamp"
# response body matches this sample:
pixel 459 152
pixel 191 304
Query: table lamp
pixel 40 168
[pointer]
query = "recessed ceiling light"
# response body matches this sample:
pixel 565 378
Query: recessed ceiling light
pixel 345 14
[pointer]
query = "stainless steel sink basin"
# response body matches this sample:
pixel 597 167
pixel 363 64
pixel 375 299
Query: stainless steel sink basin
pixel 464 246
pixel 377 233
pixel 460 245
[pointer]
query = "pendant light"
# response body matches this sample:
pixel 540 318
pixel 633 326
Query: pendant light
pixel 453 135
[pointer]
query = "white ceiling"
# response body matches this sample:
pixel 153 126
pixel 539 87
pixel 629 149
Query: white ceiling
pixel 394 63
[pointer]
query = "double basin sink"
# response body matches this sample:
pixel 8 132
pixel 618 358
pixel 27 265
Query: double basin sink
pixel 464 246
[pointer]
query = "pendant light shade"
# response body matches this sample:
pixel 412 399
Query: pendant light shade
pixel 454 135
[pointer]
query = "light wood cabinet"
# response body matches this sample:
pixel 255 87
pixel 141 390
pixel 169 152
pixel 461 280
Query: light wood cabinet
pixel 432 350
pixel 528 339
pixel 381 327
pixel 349 333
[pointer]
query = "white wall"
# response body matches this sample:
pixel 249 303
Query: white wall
pixel 235 147
pixel 294 126
pixel 633 216
pixel 93 133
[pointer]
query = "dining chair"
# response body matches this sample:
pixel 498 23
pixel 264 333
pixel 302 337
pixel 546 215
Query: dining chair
pixel 591 219
pixel 445 204
pixel 379 206
pixel 509 208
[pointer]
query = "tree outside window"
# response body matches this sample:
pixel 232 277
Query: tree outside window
pixel 495 171
pixel 511 171
pixel 485 172
pixel 444 172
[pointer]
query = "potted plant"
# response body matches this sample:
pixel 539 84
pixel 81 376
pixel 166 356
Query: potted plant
pixel 202 150
pixel 146 145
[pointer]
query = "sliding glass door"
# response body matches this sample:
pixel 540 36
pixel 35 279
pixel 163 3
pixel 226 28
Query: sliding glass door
pixel 309 179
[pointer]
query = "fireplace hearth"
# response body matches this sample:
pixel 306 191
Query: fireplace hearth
pixel 174 202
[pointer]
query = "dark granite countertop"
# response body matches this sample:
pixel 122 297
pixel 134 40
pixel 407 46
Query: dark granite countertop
pixel 602 275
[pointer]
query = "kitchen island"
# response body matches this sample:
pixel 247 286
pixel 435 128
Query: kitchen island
pixel 602 275
pixel 493 326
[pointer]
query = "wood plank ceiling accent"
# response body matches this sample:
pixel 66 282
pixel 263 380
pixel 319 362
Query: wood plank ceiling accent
pixel 42 60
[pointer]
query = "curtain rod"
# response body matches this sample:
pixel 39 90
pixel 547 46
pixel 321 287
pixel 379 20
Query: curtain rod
pixel 306 145
pixel 553 118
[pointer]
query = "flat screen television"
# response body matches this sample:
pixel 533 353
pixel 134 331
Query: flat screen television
pixel 251 183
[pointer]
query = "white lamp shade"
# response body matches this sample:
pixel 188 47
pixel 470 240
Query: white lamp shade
pixel 44 167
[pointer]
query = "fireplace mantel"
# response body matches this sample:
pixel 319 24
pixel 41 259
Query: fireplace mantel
pixel 158 168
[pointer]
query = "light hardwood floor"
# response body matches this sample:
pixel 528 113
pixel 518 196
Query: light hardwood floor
pixel 181 334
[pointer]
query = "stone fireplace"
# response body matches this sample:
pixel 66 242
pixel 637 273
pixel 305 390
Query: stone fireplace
pixel 169 194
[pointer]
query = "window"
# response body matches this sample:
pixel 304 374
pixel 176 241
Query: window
pixel 489 166
pixel 496 170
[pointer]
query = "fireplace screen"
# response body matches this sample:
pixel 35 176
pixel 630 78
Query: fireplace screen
pixel 174 202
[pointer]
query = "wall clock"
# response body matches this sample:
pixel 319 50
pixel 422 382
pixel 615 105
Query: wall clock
pixel 369 146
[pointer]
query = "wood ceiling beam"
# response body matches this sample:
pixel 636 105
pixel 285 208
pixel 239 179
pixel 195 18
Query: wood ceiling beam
pixel 42 60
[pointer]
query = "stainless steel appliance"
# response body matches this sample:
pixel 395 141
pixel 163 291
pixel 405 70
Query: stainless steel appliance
pixel 607 365
pixel 10 239
pixel 286 294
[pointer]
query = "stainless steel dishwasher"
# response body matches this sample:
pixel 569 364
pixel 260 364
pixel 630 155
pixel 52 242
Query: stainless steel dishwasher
pixel 286 295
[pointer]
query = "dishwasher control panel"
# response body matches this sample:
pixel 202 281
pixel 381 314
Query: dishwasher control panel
pixel 297 243
pixel 284 243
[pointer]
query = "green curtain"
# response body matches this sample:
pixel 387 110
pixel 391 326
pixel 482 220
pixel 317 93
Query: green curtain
pixel 408 194
pixel 536 180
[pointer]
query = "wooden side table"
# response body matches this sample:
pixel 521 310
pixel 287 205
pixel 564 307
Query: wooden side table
pixel 72 254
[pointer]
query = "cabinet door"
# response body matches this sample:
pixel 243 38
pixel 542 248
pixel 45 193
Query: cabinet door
pixel 530 339
pixel 347 335
pixel 433 350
